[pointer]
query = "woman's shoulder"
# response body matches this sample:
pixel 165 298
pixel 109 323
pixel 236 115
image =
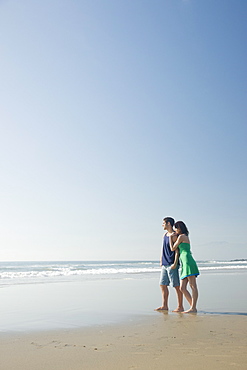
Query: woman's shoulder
pixel 183 238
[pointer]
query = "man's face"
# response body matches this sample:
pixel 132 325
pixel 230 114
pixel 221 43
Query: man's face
pixel 165 224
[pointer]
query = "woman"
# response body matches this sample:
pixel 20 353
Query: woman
pixel 189 268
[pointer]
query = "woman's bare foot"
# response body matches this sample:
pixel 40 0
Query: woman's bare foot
pixel 162 308
pixel 179 309
pixel 191 310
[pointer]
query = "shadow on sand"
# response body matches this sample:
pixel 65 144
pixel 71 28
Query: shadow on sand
pixel 223 313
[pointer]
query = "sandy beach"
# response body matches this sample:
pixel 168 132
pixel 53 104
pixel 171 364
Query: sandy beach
pixel 160 341
pixel 111 324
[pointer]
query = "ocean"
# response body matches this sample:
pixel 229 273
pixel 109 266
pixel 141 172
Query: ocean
pixel 55 295
pixel 12 273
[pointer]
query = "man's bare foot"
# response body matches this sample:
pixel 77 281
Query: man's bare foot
pixel 191 310
pixel 162 308
pixel 179 309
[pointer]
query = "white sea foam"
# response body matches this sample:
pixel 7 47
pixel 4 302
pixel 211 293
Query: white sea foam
pixel 228 267
pixel 69 272
pixel 26 272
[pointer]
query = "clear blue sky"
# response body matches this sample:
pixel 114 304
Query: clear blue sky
pixel 115 114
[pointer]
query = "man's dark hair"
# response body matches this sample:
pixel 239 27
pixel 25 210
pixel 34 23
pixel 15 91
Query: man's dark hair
pixel 169 219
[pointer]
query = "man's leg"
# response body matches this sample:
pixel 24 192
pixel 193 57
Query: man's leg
pixel 174 278
pixel 164 295
pixel 180 307
pixel 164 283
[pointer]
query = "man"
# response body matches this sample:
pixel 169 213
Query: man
pixel 169 268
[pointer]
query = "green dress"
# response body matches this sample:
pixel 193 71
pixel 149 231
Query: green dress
pixel 189 266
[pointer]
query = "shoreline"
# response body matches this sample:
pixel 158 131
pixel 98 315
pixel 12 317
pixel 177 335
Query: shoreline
pixel 68 305
pixel 196 341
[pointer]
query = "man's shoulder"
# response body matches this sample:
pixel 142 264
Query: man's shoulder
pixel 170 234
pixel 174 237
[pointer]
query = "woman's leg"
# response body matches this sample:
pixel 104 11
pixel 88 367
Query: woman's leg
pixel 183 288
pixel 194 290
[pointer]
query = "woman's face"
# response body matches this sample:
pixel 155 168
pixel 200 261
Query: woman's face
pixel 177 231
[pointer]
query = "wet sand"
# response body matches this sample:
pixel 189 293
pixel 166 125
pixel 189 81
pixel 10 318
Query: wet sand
pixel 68 305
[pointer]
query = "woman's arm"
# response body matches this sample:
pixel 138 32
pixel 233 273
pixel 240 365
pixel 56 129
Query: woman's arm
pixel 174 245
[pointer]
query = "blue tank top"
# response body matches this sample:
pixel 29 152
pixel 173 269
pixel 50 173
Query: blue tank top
pixel 167 254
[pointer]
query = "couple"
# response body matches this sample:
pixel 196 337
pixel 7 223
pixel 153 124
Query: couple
pixel 177 245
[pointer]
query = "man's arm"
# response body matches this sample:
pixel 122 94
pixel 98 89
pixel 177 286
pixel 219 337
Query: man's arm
pixel 161 259
pixel 161 254
pixel 174 265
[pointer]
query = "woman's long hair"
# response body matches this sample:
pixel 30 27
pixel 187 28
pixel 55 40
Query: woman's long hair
pixel 181 225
